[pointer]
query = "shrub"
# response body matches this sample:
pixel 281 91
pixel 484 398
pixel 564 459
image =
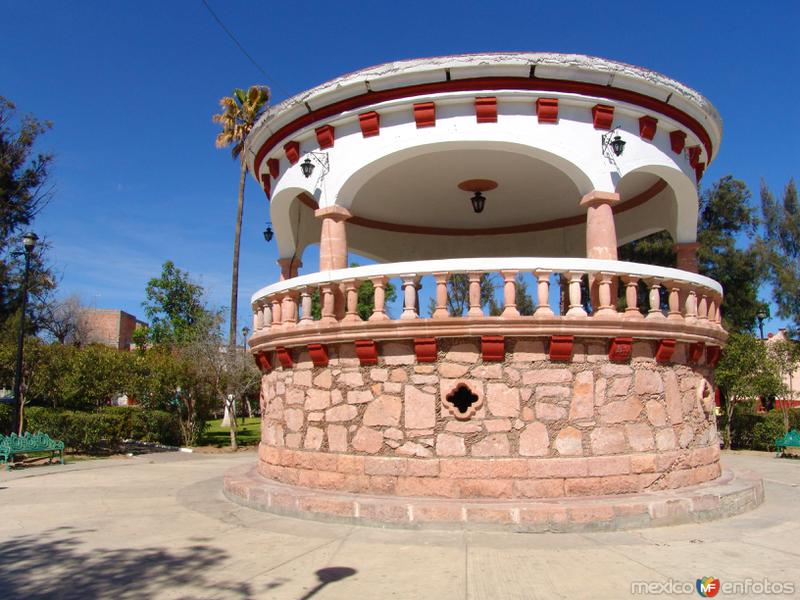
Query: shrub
pixel 6 412
pixel 103 429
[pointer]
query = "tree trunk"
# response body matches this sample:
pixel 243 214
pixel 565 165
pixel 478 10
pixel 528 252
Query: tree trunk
pixel 729 410
pixel 232 413
pixel 235 271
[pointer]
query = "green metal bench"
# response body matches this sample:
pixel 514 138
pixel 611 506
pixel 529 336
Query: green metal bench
pixel 29 443
pixel 789 444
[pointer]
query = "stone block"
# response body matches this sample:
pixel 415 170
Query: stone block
pixel 367 440
pixel 495 444
pixel 294 419
pixel 582 405
pixel 420 409
pixel 323 380
pixel 317 399
pixel 648 382
pixel 379 374
pixel 450 445
pixel 486 488
pixel 384 410
pixel 502 400
pixel 359 397
pixel 607 440
pixel 540 376
pixel 343 412
pixel 534 440
pixel 497 425
pixel 398 353
pixel 452 370
pixel 621 410
pixel 414 449
pixel 550 412
pixel 665 439
pixel 313 439
pixel 640 437
pixel 337 438
pixel 656 413
pixel 352 379
pixel 528 351
pixel 464 352
pixel 569 442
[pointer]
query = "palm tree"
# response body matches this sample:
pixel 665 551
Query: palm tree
pixel 239 114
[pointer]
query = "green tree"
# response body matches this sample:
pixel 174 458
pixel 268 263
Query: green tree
pixel 780 247
pixel 785 355
pixel 744 373
pixel 523 299
pixel 175 308
pixel 366 298
pixel 24 192
pixel 458 295
pixel 725 217
pixel 239 114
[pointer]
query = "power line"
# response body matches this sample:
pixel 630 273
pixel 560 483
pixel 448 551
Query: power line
pixel 238 45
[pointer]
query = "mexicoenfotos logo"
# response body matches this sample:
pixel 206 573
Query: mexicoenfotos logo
pixel 708 587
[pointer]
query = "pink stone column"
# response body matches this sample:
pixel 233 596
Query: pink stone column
pixel 631 297
pixel 409 297
pixel 351 296
pixel 655 300
pixel 441 311
pixel 674 302
pixel 305 307
pixel 276 312
pixel 575 306
pixel 601 234
pixel 605 309
pixel 543 309
pixel 687 256
pixel 509 294
pixel 379 296
pixel 475 309
pixel 333 247
pixel 289 267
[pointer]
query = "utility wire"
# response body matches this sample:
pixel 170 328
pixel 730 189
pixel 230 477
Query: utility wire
pixel 238 45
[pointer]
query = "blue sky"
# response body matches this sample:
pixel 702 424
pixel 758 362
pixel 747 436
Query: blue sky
pixel 131 86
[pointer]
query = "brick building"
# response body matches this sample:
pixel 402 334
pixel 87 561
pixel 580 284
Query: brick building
pixel 109 327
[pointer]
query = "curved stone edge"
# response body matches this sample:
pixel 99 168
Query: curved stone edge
pixel 733 493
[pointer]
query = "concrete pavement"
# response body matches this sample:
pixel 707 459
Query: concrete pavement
pixel 158 526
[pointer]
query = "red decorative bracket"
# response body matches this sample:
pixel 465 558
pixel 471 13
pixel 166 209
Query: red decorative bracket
pixel 699 170
pixel 493 348
pixel 265 183
pixel 647 127
pixel 262 360
pixel 425 114
pixel 292 150
pixel 696 352
pixel 486 109
pixel 284 357
pixel 561 347
pixel 665 350
pixel 677 140
pixel 694 155
pixel 602 116
pixel 713 354
pixel 319 354
pixel 367 352
pixel 370 123
pixel 324 136
pixel 425 349
pixel 547 110
pixel 620 348
pixel 274 166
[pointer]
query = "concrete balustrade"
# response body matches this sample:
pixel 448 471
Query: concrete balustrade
pixel 679 298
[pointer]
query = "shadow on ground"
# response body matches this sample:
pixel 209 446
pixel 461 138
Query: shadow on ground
pixel 54 565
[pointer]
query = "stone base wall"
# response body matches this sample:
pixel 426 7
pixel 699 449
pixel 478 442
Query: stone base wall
pixel 536 428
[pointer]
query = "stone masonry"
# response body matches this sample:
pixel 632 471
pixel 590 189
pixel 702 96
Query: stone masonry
pixel 541 429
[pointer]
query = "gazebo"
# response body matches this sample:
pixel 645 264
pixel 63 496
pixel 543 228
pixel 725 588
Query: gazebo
pixel 594 411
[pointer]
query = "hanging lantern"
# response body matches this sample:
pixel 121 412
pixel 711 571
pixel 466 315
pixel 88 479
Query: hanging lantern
pixel 268 233
pixel 478 200
pixel 308 167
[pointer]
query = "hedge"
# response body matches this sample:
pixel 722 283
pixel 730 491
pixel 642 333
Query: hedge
pixel 757 431
pixel 103 429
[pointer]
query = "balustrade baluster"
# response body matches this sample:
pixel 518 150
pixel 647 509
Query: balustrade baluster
pixel 691 306
pixel 654 298
pixel 379 296
pixel 328 304
pixel 712 310
pixel 542 294
pixel 475 309
pixel 702 307
pixel 718 316
pixel 276 312
pixel 289 309
pixel 305 307
pixel 575 306
pixel 606 309
pixel 509 294
pixel 631 297
pixel 409 297
pixel 674 302
pixel 351 298
pixel 441 311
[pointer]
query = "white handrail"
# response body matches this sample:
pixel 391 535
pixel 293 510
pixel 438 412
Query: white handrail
pixel 485 265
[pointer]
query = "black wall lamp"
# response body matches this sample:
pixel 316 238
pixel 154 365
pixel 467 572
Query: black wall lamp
pixel 615 142
pixel 307 166
pixel 268 233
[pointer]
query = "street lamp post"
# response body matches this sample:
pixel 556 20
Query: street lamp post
pixel 761 315
pixel 29 241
